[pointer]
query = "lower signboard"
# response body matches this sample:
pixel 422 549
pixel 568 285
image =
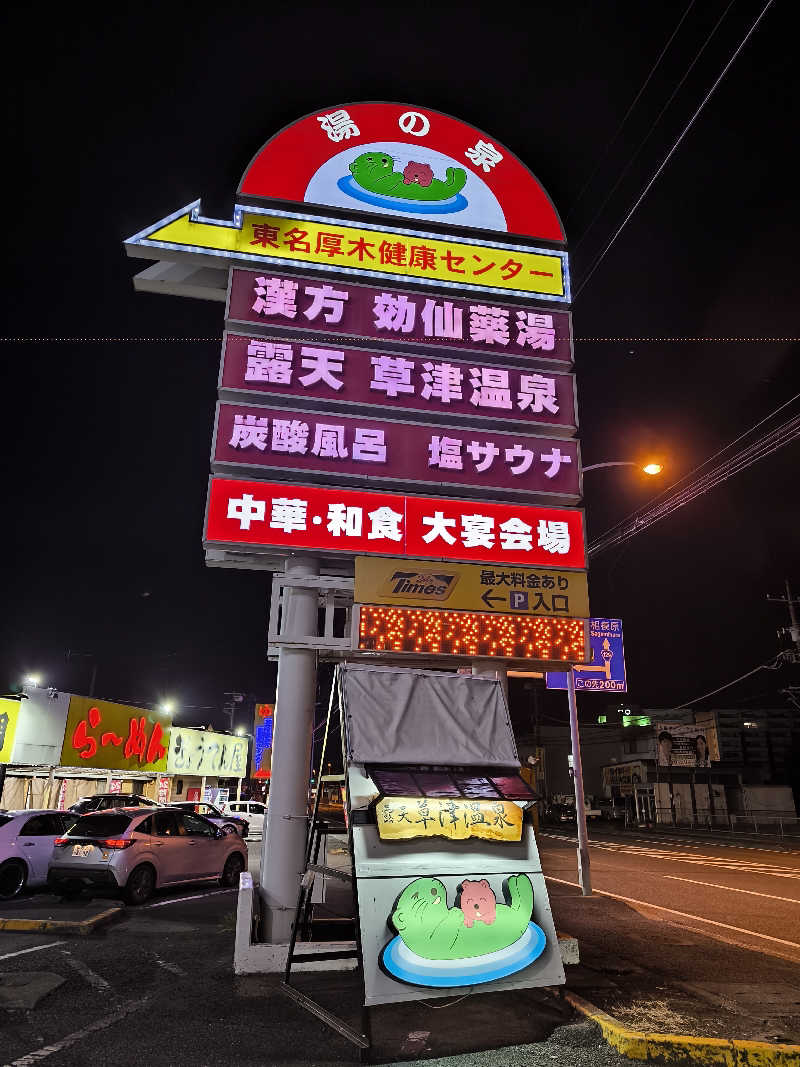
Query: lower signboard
pixel 358 522
pixel 468 587
pixel 426 631
pixel 403 818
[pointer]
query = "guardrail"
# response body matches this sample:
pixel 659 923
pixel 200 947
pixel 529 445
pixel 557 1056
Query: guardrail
pixel 760 822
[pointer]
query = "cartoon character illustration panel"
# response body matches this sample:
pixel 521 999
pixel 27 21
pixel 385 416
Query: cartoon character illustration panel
pixel 406 179
pixel 479 939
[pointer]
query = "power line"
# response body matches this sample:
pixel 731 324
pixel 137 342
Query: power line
pixel 772 666
pixel 628 113
pixel 671 152
pixel 653 125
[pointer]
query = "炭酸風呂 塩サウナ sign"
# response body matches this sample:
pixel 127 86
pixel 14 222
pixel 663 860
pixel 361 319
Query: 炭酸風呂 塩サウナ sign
pixel 262 516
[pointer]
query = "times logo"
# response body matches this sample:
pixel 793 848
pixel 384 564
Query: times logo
pixel 427 585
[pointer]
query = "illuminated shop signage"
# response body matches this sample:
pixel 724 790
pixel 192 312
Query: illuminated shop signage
pixel 427 631
pixel 398 453
pixel 116 736
pixel 402 818
pixel 351 377
pixel 204 752
pixel 358 522
pixel 317 305
pixel 469 587
pixel 391 159
pixel 278 238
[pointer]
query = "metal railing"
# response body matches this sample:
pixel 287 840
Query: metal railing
pixel 761 822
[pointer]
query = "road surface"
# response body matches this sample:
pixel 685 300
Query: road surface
pixel 741 894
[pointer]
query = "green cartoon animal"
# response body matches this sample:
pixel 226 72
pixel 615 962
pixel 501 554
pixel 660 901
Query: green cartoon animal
pixel 432 930
pixel 374 171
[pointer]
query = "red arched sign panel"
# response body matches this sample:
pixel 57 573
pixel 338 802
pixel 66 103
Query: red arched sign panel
pixel 392 159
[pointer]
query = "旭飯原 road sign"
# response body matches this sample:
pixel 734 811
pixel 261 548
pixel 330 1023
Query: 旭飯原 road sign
pixel 469 587
pixel 606 671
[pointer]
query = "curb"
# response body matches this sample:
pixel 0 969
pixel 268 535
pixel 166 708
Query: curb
pixel 63 926
pixel 682 1048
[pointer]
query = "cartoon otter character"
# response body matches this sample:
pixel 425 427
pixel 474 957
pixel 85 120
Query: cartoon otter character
pixel 374 171
pixel 432 930
pixel 420 173
pixel 477 901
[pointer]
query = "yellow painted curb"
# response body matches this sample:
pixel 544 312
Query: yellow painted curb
pixel 682 1048
pixel 64 926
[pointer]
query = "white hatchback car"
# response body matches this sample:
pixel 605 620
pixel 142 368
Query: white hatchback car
pixel 252 810
pixel 26 845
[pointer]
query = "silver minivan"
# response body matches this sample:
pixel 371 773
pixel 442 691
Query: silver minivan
pixel 138 851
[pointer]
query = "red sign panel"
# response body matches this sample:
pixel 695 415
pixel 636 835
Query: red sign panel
pixel 358 522
pixel 406 382
pixel 397 160
pixel 470 633
pixel 314 306
pixel 395 453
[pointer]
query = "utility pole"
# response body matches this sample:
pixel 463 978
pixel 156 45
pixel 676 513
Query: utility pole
pixel 584 873
pixel 793 631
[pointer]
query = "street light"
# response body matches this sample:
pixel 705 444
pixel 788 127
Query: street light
pixel 649 468
pixel 33 679
pixel 167 706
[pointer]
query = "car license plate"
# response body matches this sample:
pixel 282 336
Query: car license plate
pixel 82 850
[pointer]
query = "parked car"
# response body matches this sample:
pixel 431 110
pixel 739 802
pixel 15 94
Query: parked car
pixel 252 810
pixel 137 852
pixel 26 844
pixel 213 814
pixel 105 801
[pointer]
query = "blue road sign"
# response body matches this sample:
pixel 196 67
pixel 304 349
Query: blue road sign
pixel 263 740
pixel 606 672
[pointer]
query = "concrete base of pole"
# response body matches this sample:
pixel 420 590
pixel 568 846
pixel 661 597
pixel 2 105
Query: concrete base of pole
pixel 284 844
pixel 487 668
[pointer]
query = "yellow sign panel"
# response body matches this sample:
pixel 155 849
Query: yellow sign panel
pixel 331 243
pixel 471 587
pixel 9 714
pixel 116 736
pixel 401 818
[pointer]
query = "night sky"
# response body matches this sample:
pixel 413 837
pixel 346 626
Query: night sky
pixel 109 395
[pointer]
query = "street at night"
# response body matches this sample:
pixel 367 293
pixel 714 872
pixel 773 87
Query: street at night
pixel 400 645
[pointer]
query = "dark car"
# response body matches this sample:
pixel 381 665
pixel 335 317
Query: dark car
pixel 104 801
pixel 213 814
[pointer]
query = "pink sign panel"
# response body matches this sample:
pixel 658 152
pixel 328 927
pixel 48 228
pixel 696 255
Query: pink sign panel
pixel 352 376
pixel 400 453
pixel 357 522
pixel 395 315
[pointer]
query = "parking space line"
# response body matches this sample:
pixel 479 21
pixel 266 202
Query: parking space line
pixel 33 948
pixel 196 896
pixel 72 1039
pixel 90 976
pixel 173 968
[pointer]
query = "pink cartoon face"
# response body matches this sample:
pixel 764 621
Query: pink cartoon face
pixel 419 173
pixel 478 903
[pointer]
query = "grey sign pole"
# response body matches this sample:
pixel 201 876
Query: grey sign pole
pixel 284 845
pixel 584 874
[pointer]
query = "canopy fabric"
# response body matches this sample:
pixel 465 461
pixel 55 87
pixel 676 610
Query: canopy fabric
pixel 397 715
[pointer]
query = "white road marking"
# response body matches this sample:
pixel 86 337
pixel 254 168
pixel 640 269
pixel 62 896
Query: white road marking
pixel 72 1039
pixel 714 885
pixel 90 976
pixel 680 914
pixel 698 859
pixel 197 896
pixel 35 948
pixel 173 968
pixel 683 843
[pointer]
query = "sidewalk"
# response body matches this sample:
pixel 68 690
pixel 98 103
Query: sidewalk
pixel 658 977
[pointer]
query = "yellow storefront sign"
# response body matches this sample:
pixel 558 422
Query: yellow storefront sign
pixel 360 249
pixel 402 818
pixel 116 736
pixel 9 715
pixel 471 587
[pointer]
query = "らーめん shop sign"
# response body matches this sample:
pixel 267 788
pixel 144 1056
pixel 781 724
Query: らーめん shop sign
pixel 102 734
pixel 264 515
